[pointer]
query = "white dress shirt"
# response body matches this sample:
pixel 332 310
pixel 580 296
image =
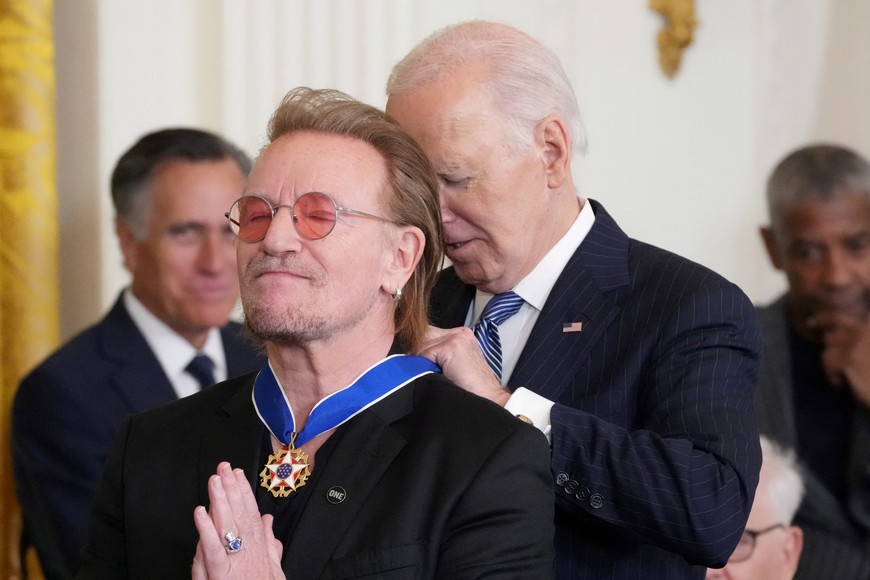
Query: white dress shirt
pixel 174 352
pixel 515 331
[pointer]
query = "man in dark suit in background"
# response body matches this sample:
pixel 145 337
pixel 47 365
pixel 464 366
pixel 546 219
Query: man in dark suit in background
pixel 170 190
pixel 638 364
pixel 814 390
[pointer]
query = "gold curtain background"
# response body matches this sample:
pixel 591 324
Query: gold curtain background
pixel 29 326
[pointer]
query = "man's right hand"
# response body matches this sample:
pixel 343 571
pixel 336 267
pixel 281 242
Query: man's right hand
pixel 846 351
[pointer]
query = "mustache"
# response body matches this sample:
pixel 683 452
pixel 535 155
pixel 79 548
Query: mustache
pixel 833 302
pixel 263 264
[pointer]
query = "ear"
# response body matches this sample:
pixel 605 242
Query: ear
pixel 772 247
pixel 406 251
pixel 552 136
pixel 793 545
pixel 129 244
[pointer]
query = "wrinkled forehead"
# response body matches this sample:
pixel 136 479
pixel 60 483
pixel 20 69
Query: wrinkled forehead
pixel 451 121
pixel 344 167
pixel 840 216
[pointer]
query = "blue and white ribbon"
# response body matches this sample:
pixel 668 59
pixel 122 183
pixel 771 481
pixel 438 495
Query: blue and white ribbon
pixel 383 378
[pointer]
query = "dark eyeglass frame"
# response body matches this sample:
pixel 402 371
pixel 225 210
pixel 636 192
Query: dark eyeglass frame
pixel 235 226
pixel 753 537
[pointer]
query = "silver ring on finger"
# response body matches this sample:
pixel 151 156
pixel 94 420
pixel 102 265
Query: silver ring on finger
pixel 233 544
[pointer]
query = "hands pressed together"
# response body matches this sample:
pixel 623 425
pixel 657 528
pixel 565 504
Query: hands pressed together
pixel 234 510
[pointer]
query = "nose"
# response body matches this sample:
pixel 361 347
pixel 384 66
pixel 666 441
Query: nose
pixel 282 235
pixel 216 251
pixel 838 269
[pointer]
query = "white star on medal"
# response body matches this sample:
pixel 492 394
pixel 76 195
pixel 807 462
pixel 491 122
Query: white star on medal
pixel 282 477
pixel 289 479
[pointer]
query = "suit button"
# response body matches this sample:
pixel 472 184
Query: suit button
pixel 561 478
pixel 596 500
pixel 583 494
pixel 571 487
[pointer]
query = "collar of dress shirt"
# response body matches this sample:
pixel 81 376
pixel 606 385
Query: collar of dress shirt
pixel 536 286
pixel 173 352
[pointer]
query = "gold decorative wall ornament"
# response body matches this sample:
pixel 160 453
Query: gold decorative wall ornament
pixel 677 33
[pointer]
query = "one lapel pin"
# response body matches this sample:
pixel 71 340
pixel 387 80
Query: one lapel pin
pixel 572 327
pixel 336 494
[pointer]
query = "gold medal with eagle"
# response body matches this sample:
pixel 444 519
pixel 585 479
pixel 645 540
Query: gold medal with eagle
pixel 285 471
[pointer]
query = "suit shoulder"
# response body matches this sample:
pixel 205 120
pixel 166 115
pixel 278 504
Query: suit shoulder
pixel 79 352
pixel 664 277
pixel 242 355
pixel 234 331
pixel 205 402
pixel 437 399
pixel 438 391
pixel 644 257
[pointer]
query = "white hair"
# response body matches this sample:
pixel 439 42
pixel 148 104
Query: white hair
pixel 784 482
pixel 524 77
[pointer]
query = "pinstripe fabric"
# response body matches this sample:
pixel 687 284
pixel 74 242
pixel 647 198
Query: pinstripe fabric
pixel 499 308
pixel 836 542
pixel 655 452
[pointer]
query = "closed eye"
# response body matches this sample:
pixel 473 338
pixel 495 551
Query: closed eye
pixel 452 180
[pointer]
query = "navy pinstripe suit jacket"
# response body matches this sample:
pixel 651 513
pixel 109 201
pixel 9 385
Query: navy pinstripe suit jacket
pixel 655 452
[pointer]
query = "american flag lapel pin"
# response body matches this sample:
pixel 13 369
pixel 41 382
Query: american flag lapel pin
pixel 572 327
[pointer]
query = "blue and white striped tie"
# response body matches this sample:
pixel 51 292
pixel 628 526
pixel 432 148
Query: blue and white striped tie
pixel 499 308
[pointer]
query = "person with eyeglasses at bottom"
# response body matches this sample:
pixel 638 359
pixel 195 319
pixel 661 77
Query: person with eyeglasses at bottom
pixel 770 547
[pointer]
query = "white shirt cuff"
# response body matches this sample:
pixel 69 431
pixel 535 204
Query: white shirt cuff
pixel 532 405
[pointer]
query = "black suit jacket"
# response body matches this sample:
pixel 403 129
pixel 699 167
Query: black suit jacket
pixel 655 450
pixel 836 540
pixel 440 484
pixel 64 419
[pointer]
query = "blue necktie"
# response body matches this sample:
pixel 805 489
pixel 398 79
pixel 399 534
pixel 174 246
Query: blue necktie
pixel 499 308
pixel 201 368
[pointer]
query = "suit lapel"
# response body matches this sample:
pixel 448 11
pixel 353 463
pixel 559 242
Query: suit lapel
pixel 367 448
pixel 241 356
pixel 235 436
pixel 585 292
pixel 139 379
